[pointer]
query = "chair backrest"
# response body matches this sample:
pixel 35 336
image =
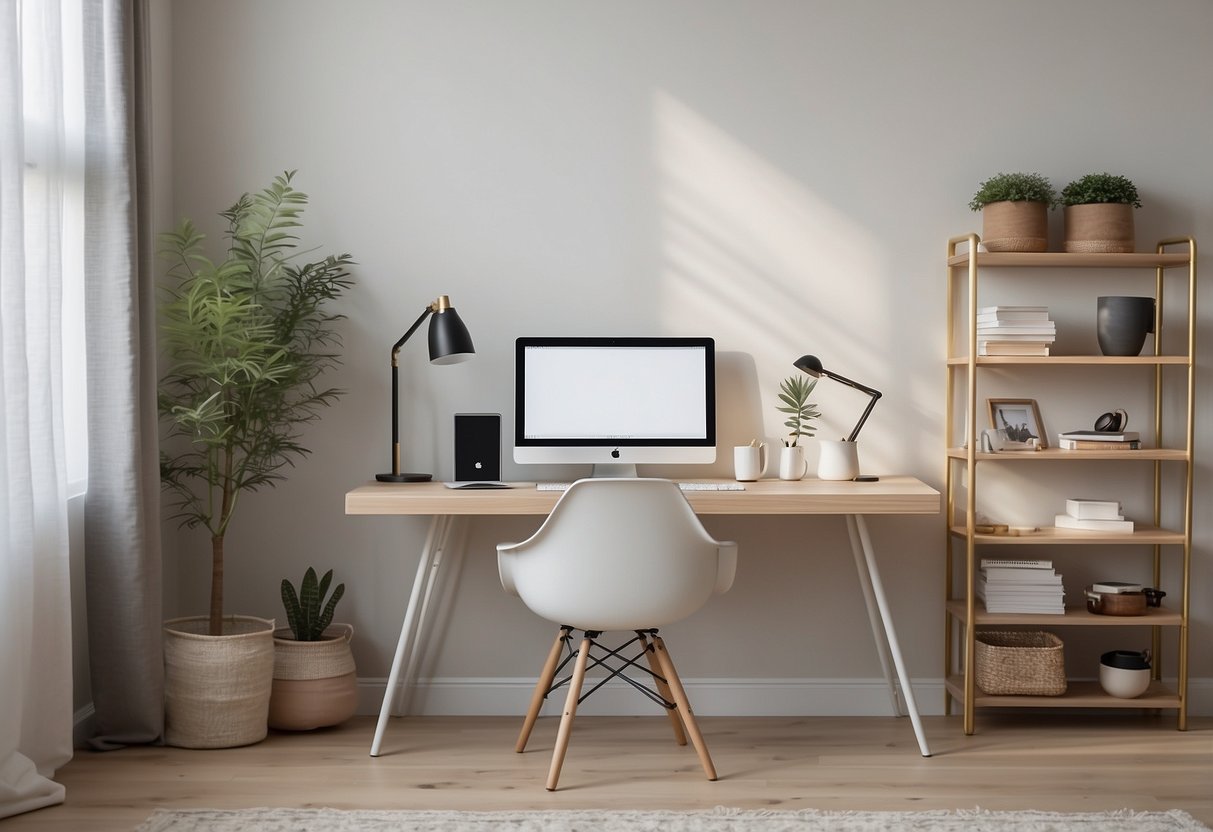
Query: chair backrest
pixel 618 554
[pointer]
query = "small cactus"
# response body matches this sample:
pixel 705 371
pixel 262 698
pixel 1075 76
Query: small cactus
pixel 303 610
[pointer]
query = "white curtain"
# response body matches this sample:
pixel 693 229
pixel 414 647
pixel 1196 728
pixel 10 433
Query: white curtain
pixel 35 630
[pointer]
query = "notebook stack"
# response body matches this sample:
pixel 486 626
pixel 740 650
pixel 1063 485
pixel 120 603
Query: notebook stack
pixel 1014 330
pixel 1025 586
pixel 1094 516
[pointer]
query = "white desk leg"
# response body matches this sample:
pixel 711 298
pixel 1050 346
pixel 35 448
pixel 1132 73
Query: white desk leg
pixel 891 633
pixel 450 543
pixel 438 526
pixel 882 645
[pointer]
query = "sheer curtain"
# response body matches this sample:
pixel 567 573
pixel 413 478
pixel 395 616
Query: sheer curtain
pixel 35 647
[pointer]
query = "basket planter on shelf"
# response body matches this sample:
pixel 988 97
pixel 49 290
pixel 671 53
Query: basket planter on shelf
pixel 1099 227
pixel 1015 226
pixel 1099 213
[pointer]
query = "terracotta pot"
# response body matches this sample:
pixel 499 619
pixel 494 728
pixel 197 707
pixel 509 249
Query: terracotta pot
pixel 1015 226
pixel 1100 227
pixel 315 682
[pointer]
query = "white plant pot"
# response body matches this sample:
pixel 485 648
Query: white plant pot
pixel 792 464
pixel 839 460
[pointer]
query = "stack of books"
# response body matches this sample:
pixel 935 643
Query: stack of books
pixel 1014 330
pixel 1028 586
pixel 1099 440
pixel 1094 516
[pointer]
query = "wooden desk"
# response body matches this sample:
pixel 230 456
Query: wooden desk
pixel 889 495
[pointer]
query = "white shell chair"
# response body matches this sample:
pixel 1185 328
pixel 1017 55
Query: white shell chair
pixel 616 554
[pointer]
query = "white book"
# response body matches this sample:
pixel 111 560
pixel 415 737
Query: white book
pixel 1084 509
pixel 1065 521
pixel 1017 563
pixel 1000 335
pixel 1027 348
pixel 1102 435
pixel 1012 310
pixel 1115 587
pixel 1016 326
pixel 1022 577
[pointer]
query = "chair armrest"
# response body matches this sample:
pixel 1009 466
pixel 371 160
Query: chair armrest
pixel 726 565
pixel 505 567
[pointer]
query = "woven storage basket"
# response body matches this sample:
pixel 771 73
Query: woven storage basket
pixel 1020 663
pixel 217 688
pixel 322 659
pixel 315 682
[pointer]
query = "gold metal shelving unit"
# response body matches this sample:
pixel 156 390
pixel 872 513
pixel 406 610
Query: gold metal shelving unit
pixel 963 614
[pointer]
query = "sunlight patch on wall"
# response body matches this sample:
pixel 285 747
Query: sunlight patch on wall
pixel 755 259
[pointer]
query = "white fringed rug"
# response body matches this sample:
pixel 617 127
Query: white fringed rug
pixel 718 820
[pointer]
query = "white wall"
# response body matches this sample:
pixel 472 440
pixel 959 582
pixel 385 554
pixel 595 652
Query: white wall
pixel 782 176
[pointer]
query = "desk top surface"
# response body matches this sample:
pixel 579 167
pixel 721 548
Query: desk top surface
pixel 890 495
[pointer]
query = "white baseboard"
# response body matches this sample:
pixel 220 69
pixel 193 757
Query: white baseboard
pixel 711 697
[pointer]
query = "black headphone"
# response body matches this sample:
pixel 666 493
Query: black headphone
pixel 1112 422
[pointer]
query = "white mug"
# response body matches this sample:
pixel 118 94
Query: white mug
pixel 749 462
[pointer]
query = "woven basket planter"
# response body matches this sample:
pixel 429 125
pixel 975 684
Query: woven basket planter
pixel 217 688
pixel 1015 226
pixel 315 682
pixel 1020 663
pixel 1099 227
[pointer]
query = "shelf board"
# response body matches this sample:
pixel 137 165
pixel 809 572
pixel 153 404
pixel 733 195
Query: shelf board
pixel 1051 536
pixel 1075 617
pixel 1166 454
pixel 1072 360
pixel 1079 694
pixel 1070 260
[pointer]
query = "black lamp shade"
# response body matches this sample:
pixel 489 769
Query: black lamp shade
pixel 810 364
pixel 450 341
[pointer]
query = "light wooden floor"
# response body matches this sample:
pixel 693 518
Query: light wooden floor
pixel 1015 761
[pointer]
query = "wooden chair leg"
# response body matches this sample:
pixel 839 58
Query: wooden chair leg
pixel 570 711
pixel 664 689
pixel 541 689
pixel 684 705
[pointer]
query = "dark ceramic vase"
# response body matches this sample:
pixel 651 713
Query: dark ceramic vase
pixel 1122 324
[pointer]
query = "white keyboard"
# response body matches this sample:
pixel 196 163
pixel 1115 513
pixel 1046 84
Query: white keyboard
pixel 685 486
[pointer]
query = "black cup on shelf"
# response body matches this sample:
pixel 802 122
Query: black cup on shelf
pixel 1122 324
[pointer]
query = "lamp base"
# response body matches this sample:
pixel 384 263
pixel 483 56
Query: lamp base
pixel 404 477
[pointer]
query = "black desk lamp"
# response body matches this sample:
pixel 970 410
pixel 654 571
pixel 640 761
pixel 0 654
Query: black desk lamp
pixel 450 343
pixel 811 364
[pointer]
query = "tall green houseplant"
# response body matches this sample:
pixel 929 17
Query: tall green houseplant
pixel 246 340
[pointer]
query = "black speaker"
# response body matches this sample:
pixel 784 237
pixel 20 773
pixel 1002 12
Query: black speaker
pixel 477 447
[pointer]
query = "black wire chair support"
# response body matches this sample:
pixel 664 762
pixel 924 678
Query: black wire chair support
pixel 614 671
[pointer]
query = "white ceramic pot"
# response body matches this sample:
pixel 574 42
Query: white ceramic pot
pixel 792 464
pixel 839 460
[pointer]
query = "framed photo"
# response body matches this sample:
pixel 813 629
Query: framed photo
pixel 1020 418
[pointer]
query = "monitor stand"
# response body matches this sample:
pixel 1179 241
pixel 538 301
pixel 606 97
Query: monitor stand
pixel 614 469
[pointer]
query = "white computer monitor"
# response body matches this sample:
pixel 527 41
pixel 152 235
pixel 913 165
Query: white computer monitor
pixel 614 403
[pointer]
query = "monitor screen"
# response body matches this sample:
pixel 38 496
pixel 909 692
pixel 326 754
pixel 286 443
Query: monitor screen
pixel 610 401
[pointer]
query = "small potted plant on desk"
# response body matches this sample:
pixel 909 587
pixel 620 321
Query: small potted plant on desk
pixel 1099 213
pixel 794 392
pixel 1014 211
pixel 315 682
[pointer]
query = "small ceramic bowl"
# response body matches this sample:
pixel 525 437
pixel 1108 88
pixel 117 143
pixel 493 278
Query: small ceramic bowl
pixel 1124 674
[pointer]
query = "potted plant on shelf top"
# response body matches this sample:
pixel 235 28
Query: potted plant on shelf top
pixel 246 340
pixel 315 682
pixel 1099 213
pixel 794 392
pixel 1014 211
